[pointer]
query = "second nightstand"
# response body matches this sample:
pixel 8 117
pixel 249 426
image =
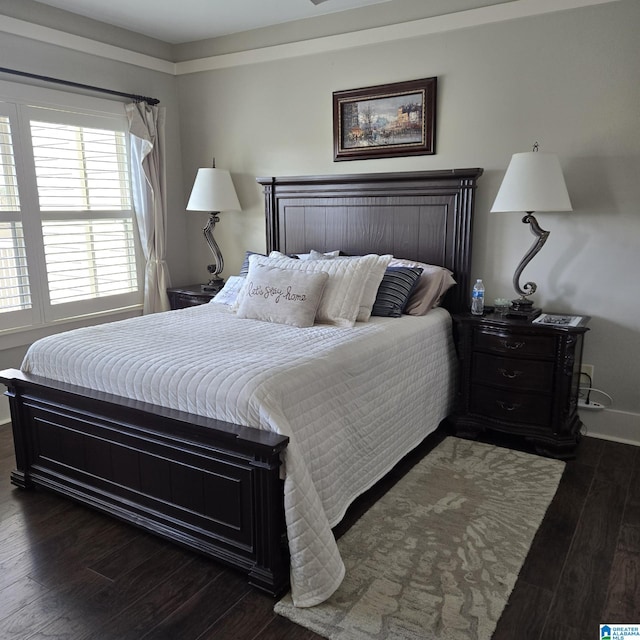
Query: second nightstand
pixel 521 378
pixel 189 296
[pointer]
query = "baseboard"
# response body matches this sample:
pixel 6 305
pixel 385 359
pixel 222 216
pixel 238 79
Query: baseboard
pixel 609 424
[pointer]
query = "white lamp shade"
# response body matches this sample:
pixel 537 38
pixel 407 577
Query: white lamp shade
pixel 533 182
pixel 213 191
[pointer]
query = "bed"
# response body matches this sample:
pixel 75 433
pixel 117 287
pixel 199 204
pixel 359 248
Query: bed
pixel 217 463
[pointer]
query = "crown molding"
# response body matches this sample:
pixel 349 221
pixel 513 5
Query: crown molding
pixel 59 38
pixel 389 33
pixel 416 28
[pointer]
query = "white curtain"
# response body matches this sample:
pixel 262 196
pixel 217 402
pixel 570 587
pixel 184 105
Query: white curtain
pixel 146 128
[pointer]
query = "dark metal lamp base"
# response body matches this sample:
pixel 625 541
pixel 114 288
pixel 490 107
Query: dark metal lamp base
pixel 523 309
pixel 213 285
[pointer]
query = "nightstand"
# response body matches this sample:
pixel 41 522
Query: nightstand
pixel 190 296
pixel 521 378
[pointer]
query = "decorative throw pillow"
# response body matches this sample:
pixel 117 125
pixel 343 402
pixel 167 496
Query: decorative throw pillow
pixel 285 296
pixel 394 291
pixel 343 292
pixel 434 282
pixel 229 293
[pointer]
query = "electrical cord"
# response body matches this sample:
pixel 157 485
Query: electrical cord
pixel 594 390
pixel 587 401
pixel 590 389
pixel 586 375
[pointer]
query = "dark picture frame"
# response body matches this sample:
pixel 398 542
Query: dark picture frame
pixel 385 121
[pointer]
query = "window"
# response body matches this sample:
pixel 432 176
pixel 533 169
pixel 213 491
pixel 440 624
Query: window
pixel 67 230
pixel 13 260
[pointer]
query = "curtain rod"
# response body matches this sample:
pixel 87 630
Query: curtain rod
pixel 78 85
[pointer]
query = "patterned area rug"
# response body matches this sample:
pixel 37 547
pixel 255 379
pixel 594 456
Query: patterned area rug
pixel 438 555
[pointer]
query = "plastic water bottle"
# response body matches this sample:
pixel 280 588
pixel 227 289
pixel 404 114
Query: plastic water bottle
pixel 477 298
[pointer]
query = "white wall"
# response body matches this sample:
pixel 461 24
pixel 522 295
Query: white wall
pixel 568 80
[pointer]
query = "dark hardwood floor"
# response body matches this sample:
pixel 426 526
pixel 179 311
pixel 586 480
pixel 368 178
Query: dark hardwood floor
pixel 67 572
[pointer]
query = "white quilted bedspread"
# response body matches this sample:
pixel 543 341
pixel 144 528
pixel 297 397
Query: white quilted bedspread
pixel 353 401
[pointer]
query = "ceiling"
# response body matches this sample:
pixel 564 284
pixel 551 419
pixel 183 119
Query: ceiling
pixel 179 21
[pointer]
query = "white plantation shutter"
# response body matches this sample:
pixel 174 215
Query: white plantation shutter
pixel 81 172
pixel 14 280
pixel 79 168
pixel 9 200
pixel 15 294
pixel 89 258
pixel 69 248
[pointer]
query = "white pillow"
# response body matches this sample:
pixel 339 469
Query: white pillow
pixel 376 273
pixel 340 302
pixel 285 296
pixel 371 286
pixel 317 255
pixel 229 293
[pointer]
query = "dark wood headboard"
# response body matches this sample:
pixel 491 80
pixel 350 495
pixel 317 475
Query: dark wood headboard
pixel 422 215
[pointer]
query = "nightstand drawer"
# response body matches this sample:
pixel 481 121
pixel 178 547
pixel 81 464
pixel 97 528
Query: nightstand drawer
pixel 512 407
pixel 513 343
pixel 183 300
pixel 190 296
pixel 532 375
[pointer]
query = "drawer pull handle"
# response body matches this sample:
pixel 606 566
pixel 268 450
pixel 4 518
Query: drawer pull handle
pixel 511 345
pixel 508 406
pixel 510 374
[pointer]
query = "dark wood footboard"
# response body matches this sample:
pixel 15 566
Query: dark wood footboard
pixel 209 485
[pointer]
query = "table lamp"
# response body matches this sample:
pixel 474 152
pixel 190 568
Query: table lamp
pixel 533 182
pixel 213 191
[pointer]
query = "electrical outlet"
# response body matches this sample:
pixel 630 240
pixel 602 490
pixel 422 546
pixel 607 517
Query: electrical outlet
pixel 588 370
pixel 592 406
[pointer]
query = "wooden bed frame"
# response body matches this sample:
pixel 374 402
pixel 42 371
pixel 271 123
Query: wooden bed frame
pixel 203 483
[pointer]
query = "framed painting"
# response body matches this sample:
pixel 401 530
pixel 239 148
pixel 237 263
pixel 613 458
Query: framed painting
pixel 385 121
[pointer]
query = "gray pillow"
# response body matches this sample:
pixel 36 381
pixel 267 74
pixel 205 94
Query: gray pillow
pixel 394 291
pixel 284 296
